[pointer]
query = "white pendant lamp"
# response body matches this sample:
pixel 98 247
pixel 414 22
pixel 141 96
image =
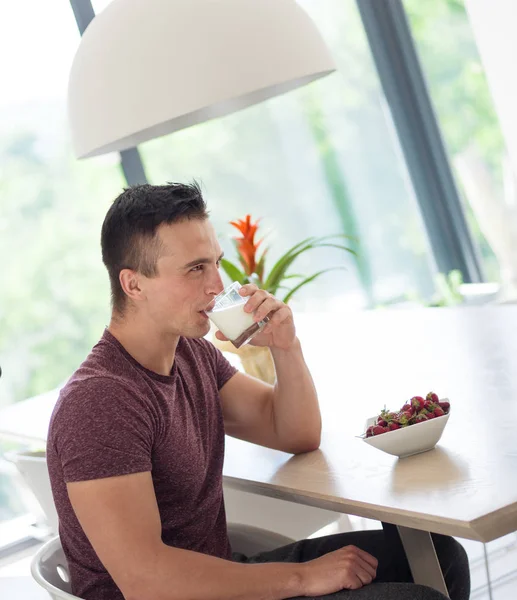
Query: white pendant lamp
pixel 146 68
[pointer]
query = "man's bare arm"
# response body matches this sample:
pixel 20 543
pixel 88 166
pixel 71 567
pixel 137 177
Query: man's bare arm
pixel 285 416
pixel 120 518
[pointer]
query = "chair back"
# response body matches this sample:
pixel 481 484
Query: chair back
pixel 50 569
pixel 33 467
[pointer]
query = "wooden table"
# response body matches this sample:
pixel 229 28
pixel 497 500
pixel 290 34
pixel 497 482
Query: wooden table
pixel 466 487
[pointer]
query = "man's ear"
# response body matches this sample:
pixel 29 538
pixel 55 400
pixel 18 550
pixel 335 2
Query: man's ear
pixel 131 283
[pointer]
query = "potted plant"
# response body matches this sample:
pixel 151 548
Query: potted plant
pixel 279 281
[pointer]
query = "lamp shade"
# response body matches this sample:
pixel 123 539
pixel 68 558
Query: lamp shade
pixel 145 68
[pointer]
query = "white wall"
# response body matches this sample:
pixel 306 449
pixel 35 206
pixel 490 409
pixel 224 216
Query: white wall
pixel 494 23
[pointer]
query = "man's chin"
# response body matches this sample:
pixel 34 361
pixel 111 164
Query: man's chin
pixel 199 331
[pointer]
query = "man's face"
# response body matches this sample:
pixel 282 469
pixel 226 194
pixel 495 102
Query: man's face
pixel 187 279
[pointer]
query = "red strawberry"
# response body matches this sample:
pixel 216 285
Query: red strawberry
pixel 432 397
pixel 407 409
pixel 445 406
pixel 392 426
pixel 369 431
pixel 417 402
pixel 428 405
pixel 381 422
pixel 421 418
pixel 377 430
pixel 439 412
pixel 431 415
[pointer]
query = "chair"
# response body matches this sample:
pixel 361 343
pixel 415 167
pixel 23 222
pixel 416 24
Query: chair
pixel 33 468
pixel 50 569
pixel 250 540
pixel 293 520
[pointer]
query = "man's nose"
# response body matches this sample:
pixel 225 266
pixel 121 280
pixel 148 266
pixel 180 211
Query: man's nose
pixel 216 284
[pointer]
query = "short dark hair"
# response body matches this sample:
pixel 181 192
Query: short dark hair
pixel 128 237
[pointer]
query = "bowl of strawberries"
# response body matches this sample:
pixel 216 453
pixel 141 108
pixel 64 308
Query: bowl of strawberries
pixel 416 427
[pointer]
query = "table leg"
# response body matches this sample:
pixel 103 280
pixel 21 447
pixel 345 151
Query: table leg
pixel 422 558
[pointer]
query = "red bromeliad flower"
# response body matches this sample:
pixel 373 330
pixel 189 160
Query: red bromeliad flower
pixel 246 246
pixel 253 268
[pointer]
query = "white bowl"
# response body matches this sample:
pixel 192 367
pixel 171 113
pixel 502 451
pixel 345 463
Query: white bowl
pixel 410 440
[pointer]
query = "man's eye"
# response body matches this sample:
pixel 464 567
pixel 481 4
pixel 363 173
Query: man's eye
pixel 197 268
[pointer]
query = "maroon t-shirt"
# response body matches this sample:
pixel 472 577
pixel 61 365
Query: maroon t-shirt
pixel 115 417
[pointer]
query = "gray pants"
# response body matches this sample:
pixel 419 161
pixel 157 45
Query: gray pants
pixel 394 580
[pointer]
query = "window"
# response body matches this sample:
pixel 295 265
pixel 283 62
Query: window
pixel 321 160
pixel 470 127
pixel 54 298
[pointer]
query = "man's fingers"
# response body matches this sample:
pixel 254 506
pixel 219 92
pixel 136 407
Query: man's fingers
pixel 280 315
pixel 258 297
pixel 270 305
pixel 371 560
pixel 277 318
pixel 367 568
pixel 355 582
pixel 364 577
pixel 248 289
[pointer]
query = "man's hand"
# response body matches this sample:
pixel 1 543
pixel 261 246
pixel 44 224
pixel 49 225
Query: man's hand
pixel 280 332
pixel 348 568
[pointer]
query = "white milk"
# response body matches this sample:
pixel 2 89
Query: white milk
pixel 232 321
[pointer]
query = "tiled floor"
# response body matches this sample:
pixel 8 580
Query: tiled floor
pixel 502 567
pixel 16 583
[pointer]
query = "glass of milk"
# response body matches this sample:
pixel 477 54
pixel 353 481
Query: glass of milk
pixel 228 316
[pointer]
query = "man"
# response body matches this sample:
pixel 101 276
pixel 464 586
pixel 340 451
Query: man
pixel 136 441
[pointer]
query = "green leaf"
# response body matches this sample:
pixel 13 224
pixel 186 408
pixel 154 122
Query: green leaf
pixel 336 235
pixel 311 242
pixel 308 280
pixel 278 271
pixel 244 264
pixel 232 271
pixel 346 248
pixel 254 278
pixel 259 269
pixel 291 252
pixel 275 275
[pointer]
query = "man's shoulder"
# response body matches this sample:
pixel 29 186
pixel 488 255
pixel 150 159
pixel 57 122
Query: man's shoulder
pixel 83 382
pixel 102 366
pixel 101 374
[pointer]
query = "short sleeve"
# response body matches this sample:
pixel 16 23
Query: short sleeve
pixel 101 429
pixel 223 370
